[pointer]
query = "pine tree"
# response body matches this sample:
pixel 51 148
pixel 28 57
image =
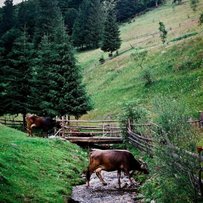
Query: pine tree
pixel 88 27
pixel 18 72
pixel 111 37
pixel 79 28
pixel 45 21
pixel 26 17
pixel 7 17
pixel 6 43
pixel 94 24
pixel 57 82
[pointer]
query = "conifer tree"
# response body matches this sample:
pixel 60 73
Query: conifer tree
pixel 88 26
pixel 111 37
pixel 26 17
pixel 6 44
pixel 47 14
pixel 94 24
pixel 18 72
pixel 7 17
pixel 79 28
pixel 57 82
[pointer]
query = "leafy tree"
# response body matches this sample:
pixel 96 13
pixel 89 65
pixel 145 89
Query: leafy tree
pixel 111 37
pixel 7 17
pixel 163 32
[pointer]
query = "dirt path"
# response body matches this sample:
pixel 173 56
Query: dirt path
pixel 97 193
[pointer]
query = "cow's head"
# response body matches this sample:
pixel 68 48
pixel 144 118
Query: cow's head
pixel 143 167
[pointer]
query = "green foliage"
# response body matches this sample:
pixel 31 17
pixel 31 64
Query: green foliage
pixel 7 21
pixel 163 32
pixel 15 85
pixel 132 113
pixel 201 19
pixel 147 77
pixel 140 57
pixel 46 20
pixel 173 168
pixel 111 37
pixel 26 17
pixel 69 19
pixel 194 4
pixel 88 26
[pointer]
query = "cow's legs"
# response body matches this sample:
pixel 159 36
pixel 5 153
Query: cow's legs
pixel 119 178
pixel 129 176
pixel 98 173
pixel 88 175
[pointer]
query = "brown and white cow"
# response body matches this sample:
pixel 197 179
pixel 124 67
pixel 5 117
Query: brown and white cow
pixel 113 160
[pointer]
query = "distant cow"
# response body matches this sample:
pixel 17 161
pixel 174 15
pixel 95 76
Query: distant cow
pixel 112 160
pixel 44 123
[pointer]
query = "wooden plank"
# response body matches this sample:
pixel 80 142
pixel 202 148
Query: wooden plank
pixel 101 140
pixel 90 121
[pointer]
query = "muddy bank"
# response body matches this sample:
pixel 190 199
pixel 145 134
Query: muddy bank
pixel 97 193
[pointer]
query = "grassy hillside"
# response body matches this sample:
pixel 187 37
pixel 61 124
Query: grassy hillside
pixel 174 69
pixel 37 169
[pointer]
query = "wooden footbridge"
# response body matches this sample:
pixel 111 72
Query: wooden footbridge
pixel 90 131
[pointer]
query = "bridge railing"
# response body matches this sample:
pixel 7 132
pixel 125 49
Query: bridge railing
pixel 109 128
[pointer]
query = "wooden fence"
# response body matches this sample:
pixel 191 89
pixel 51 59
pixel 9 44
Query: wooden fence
pixel 11 123
pixel 104 128
pixel 146 143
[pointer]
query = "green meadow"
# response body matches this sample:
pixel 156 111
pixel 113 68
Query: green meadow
pixel 172 69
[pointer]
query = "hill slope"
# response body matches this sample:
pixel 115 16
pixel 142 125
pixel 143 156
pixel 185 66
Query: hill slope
pixel 174 69
pixel 37 169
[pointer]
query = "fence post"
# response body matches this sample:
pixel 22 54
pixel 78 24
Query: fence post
pixel 129 125
pixel 63 126
pixel 200 150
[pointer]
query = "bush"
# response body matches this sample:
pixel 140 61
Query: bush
pixel 173 171
pixel 201 19
pixel 101 60
pixel 131 112
pixel 147 77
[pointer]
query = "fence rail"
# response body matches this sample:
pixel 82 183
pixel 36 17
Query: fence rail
pixel 11 123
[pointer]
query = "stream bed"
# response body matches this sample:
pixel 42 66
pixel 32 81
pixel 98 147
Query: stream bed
pixel 97 193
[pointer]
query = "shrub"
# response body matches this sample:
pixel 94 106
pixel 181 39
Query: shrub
pixel 132 112
pixel 173 172
pixel 201 19
pixel 101 60
pixel 147 77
